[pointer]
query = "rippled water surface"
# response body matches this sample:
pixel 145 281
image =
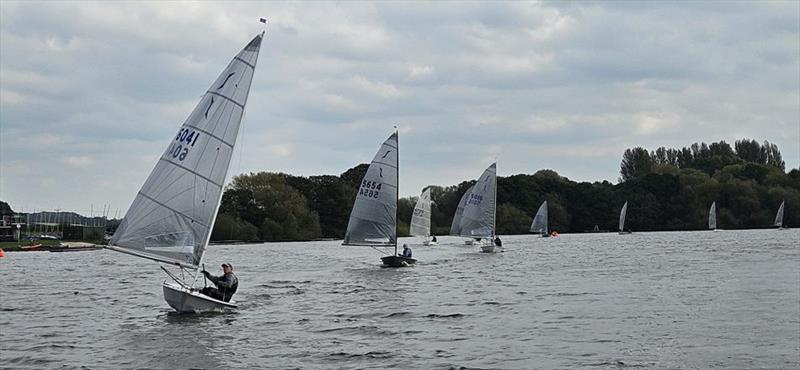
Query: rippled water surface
pixel 729 299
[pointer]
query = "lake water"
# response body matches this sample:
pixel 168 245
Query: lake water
pixel 728 299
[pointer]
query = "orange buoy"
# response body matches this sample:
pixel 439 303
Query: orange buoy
pixel 2 254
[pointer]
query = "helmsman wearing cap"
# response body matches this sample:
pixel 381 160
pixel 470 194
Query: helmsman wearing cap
pixel 226 284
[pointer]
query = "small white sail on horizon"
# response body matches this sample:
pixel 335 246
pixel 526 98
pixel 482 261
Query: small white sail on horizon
pixel 478 217
pixel 622 214
pixel 712 216
pixel 171 217
pixel 373 219
pixel 539 224
pixel 421 218
pixel 779 216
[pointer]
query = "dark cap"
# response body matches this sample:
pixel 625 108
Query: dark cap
pixel 227 265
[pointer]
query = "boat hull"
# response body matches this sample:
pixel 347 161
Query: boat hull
pixel 488 248
pixel 397 261
pixel 184 300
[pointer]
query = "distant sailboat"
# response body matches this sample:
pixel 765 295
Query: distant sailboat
pixel 421 218
pixel 455 227
pixel 622 213
pixel 373 220
pixel 479 216
pixel 779 217
pixel 171 217
pixel 540 223
pixel 712 217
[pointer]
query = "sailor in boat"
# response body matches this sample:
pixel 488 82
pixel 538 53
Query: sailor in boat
pixel 498 242
pixel 406 251
pixel 433 238
pixel 226 284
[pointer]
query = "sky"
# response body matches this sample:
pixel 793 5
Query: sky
pixel 91 93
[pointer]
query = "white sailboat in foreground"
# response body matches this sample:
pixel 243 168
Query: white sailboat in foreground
pixel 171 218
pixel 779 217
pixel 622 213
pixel 373 220
pixel 540 223
pixel 421 218
pixel 712 217
pixel 478 218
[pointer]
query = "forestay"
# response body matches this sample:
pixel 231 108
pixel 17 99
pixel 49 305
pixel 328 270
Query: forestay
pixel 478 218
pixel 171 217
pixel 373 218
pixel 421 219
pixel 622 214
pixel 712 216
pixel 779 216
pixel 455 227
pixel 539 224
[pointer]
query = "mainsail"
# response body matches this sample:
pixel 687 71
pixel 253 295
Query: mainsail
pixel 712 216
pixel 171 217
pixel 539 224
pixel 421 219
pixel 478 218
pixel 374 214
pixel 779 216
pixel 622 214
pixel 455 227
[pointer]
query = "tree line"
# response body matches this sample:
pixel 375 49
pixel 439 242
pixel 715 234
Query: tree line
pixel 666 189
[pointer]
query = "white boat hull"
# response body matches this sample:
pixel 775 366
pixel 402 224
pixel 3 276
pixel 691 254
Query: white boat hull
pixel 184 300
pixel 429 243
pixel 488 248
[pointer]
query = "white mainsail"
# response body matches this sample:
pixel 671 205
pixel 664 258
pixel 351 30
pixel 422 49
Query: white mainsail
pixel 374 215
pixel 171 217
pixel 779 216
pixel 455 227
pixel 421 219
pixel 622 214
pixel 712 216
pixel 478 218
pixel 539 224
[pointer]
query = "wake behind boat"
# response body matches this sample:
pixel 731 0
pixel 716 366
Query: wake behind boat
pixel 171 217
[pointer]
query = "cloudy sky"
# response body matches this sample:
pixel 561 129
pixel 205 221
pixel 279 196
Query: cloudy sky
pixel 91 93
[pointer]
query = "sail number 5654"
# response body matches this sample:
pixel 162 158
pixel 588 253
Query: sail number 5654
pixel 370 189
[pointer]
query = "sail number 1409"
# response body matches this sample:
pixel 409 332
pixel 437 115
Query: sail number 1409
pixel 180 147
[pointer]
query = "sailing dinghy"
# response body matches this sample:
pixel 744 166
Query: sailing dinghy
pixel 779 217
pixel 373 220
pixel 712 217
pixel 171 217
pixel 455 227
pixel 478 218
pixel 622 213
pixel 540 224
pixel 421 218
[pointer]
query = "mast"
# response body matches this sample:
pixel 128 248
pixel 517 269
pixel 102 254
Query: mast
pixel 494 217
pixel 397 191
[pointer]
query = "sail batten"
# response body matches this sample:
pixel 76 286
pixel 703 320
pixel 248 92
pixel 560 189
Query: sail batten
pixel 171 217
pixel 478 217
pixel 373 219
